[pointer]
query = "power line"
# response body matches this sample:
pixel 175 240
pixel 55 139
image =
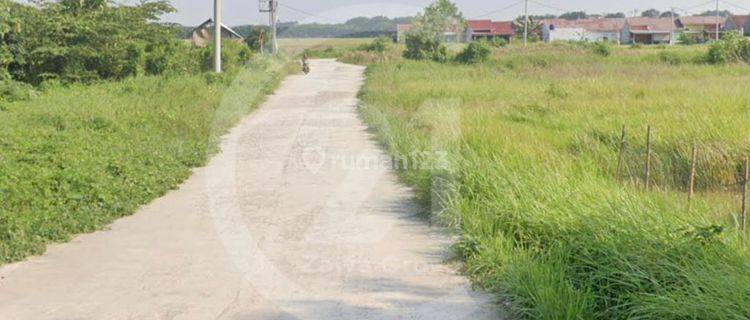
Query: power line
pixel 735 5
pixel 307 12
pixel 688 9
pixel 550 7
pixel 498 10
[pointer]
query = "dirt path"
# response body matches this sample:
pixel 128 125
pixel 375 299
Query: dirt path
pixel 284 223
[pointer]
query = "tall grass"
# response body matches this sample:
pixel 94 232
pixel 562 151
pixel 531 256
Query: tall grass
pixel 74 158
pixel 543 220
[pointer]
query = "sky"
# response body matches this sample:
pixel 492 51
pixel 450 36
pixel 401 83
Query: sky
pixel 236 12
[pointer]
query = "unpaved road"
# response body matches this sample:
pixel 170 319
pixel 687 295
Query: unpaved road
pixel 287 222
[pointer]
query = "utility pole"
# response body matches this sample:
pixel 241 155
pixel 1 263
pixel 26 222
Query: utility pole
pixel 271 6
pixel 718 18
pixel 526 22
pixel 217 36
pixel 274 21
pixel 671 30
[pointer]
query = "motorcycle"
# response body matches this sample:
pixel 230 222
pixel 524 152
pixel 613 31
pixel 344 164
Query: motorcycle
pixel 305 67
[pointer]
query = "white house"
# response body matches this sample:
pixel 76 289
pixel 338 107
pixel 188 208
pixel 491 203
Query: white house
pixel 582 30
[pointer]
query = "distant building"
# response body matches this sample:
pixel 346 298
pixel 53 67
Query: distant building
pixel 602 29
pixel 202 35
pixel 488 29
pixel 403 29
pixel 702 28
pixel 738 23
pixel 649 30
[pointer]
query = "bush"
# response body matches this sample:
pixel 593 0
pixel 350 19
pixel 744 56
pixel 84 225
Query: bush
pixel 731 48
pixel 234 55
pixel 478 51
pixel 498 42
pixel 687 39
pixel 15 91
pixel 379 45
pixel 420 47
pixel 602 48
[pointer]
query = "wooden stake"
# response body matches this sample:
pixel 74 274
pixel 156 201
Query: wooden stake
pixel 745 178
pixel 691 184
pixel 621 157
pixel 648 158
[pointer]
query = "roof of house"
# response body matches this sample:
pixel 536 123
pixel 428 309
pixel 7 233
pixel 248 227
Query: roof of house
pixel 404 27
pixel 489 27
pixel 652 25
pixel 601 25
pixel 702 20
pixel 503 28
pixel 740 21
pixel 223 26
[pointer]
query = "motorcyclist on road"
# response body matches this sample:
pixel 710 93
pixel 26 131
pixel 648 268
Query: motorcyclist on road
pixel 305 64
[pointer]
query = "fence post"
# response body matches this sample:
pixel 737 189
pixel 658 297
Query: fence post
pixel 745 178
pixel 691 184
pixel 621 157
pixel 648 158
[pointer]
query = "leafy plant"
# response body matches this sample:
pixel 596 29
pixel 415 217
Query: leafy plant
pixel 732 48
pixel 420 47
pixel 475 52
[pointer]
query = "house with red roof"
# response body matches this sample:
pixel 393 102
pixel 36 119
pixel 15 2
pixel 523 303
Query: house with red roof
pixel 739 23
pixel 600 29
pixel 488 29
pixel 649 30
pixel 702 28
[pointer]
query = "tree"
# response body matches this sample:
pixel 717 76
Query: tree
pixel 258 36
pixel 712 13
pixel 669 14
pixel 535 27
pixel 617 15
pixel 574 15
pixel 650 13
pixel 439 17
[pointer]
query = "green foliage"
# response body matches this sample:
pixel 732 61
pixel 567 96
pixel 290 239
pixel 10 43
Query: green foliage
pixel 379 45
pixel 651 13
pixel 574 15
pixel 360 27
pixel 475 52
pixel 602 48
pixel 498 42
pixel 687 39
pixel 233 55
pixel 85 41
pixel 11 90
pixel 420 47
pixel 437 18
pixel 732 48
pixel 254 37
pixel 77 157
pixel 543 220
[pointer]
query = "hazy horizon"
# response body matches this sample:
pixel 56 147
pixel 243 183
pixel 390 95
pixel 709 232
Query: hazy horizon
pixel 236 12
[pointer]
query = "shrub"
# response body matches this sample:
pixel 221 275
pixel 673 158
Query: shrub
pixel 498 42
pixel 602 48
pixel 687 39
pixel 379 45
pixel 731 48
pixel 420 47
pixel 478 51
pixel 15 91
pixel 234 54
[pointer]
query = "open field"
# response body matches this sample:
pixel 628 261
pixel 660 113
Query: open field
pixel 532 141
pixel 75 158
pixel 292 46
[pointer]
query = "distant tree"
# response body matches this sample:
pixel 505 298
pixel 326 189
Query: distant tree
pixel 439 17
pixel 710 13
pixel 615 15
pixel 535 27
pixel 541 17
pixel 258 36
pixel 651 13
pixel 669 14
pixel 574 15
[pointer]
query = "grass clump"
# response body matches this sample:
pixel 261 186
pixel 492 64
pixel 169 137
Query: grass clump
pixel 530 185
pixel 75 158
pixel 475 52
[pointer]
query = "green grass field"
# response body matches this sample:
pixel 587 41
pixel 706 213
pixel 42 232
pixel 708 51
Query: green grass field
pixel 532 141
pixel 74 158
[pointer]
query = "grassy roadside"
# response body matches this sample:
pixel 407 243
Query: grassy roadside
pixel 543 220
pixel 73 159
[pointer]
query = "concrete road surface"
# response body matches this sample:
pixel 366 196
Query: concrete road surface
pixel 299 217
